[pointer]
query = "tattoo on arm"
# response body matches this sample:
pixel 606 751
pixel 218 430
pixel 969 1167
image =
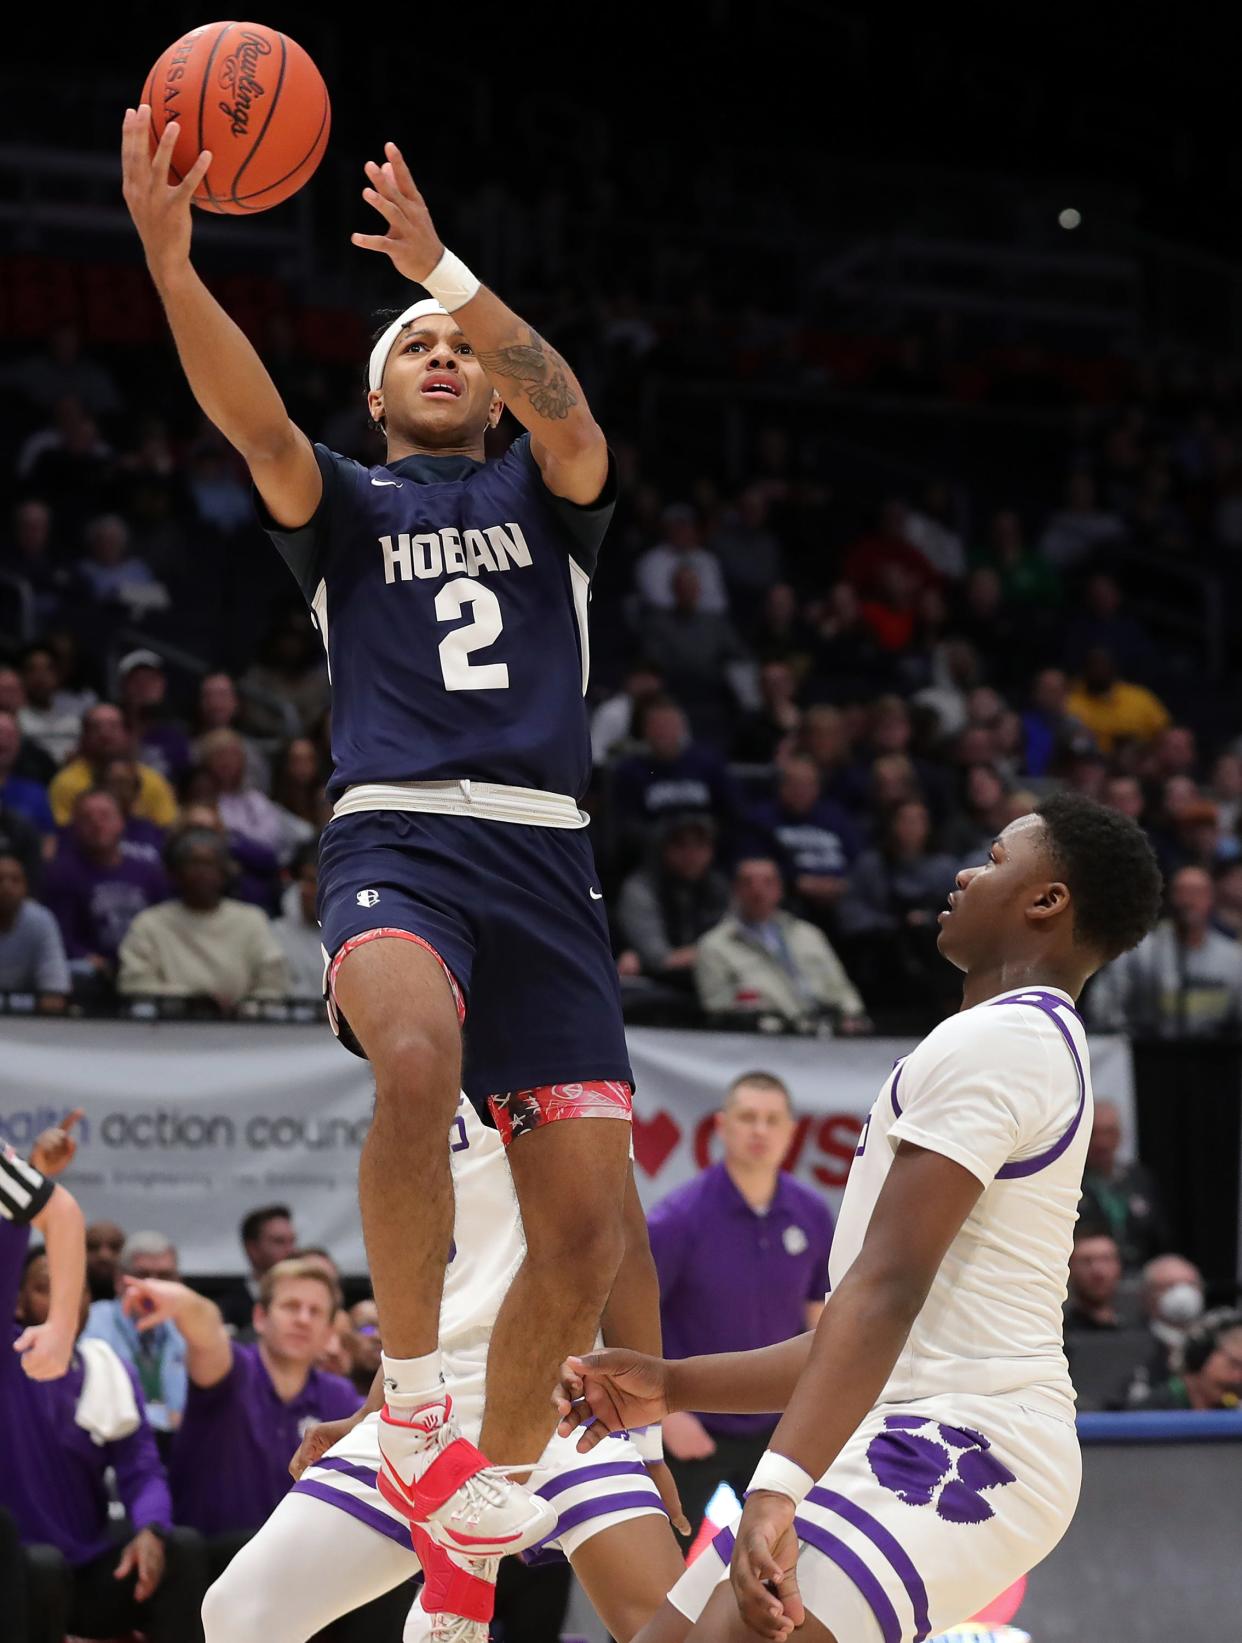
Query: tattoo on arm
pixel 539 371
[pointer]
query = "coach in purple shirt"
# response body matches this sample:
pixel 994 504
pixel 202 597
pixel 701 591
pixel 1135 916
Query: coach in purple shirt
pixel 247 1406
pixel 80 1578
pixel 742 1254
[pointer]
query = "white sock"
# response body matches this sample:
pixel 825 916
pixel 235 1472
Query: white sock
pixel 411 1381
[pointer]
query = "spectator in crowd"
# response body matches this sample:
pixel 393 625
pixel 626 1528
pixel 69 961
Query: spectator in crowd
pixel 983 814
pixel 1114 710
pixel 365 1345
pixel 666 906
pixel 123 779
pixel 681 548
pixel 202 944
pixel 156 1356
pixel 1172 1300
pixel 291 675
pixel 1079 528
pixel 60 371
pixel 889 910
pixel 32 955
pixel 766 731
pixel 671 774
pixel 699 653
pixel 748 550
pixel 104 738
pixel 143 688
pixel 104 1243
pixel 267 1237
pixel 613 722
pixel 1122 1197
pixel 846 658
pixel 64 1437
pixel 21 838
pixel 1102 622
pixel 870 561
pixel 1184 979
pixel 761 958
pixel 244 809
pixel 1229 899
pixel 254 872
pixel 114 574
pixel 298 786
pixel 69 460
pixel 742 1257
pixel 1094 1280
pixel 219 708
pixel 51 717
pixel 1225 791
pixel 1048 727
pixel 813 838
pixel 1209 1373
pixel 824 736
pixel 247 1405
pixel 297 929
pixel 18 792
pixel 29 555
pixel 96 886
pixel 1125 793
pixel 1027 578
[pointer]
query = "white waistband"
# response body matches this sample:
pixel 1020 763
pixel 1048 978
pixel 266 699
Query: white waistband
pixel 486 801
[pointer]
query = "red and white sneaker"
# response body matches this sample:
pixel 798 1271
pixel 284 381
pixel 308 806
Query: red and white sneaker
pixel 458 1595
pixel 439 1481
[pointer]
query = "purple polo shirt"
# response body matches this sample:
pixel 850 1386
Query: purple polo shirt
pixel 732 1279
pixel 94 905
pixel 51 1471
pixel 231 1453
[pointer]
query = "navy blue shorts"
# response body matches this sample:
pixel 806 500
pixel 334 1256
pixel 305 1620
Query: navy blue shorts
pixel 510 911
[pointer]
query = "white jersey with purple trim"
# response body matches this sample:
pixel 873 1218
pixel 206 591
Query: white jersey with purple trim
pixel 1003 1089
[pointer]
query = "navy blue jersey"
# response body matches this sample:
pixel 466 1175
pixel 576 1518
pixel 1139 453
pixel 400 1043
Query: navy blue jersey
pixel 451 597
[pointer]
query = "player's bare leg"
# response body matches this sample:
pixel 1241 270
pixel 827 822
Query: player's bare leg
pixel 570 1178
pixel 403 1011
pixel 721 1622
pixel 398 1002
pixel 626 1571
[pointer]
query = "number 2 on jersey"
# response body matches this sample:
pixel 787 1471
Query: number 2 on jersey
pixel 460 673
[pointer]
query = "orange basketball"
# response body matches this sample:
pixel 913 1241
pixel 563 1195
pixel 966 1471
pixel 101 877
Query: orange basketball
pixel 254 98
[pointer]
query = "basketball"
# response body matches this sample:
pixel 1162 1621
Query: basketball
pixel 255 99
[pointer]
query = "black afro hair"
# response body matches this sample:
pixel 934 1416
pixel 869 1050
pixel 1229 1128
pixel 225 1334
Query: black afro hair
pixel 1109 867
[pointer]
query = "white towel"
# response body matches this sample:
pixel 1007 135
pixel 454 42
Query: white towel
pixel 107 1407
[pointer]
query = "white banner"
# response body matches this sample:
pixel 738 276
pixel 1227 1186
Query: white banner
pixel 189 1127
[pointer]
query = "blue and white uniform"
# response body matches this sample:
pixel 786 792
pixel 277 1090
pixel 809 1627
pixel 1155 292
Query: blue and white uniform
pixel 967 1471
pixel 451 598
pixel 335 1519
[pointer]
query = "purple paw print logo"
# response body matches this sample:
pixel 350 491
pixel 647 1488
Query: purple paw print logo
pixel 926 1463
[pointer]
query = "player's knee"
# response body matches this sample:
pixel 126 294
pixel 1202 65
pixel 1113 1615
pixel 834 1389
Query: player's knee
pixel 235 1611
pixel 416 1063
pixel 585 1249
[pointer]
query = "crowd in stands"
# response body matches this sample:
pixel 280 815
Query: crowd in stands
pixel 803 723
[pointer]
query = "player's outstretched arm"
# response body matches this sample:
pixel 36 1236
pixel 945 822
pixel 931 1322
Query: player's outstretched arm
pixel 531 377
pixel 226 375
pixel 209 1351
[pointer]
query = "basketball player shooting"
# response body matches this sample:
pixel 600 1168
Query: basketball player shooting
pixel 927 1456
pixel 450 593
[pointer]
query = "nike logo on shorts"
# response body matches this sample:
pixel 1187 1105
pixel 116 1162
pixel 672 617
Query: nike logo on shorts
pixel 596 895
pixel 395 482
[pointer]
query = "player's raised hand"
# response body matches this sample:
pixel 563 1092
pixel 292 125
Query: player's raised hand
pixel 54 1148
pixel 411 241
pixel 159 205
pixel 763 1570
pixel 609 1391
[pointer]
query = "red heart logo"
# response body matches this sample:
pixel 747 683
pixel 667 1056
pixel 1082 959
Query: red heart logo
pixel 654 1139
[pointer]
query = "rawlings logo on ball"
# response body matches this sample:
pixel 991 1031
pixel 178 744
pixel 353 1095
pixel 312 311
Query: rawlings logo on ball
pixel 237 74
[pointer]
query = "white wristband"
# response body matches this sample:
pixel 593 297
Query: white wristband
pixel 649 1441
pixel 782 1476
pixel 451 283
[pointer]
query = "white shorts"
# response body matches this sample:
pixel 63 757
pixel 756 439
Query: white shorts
pixel 932 1509
pixel 590 1493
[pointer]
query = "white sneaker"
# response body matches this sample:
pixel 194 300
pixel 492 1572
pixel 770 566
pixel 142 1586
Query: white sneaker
pixel 444 1485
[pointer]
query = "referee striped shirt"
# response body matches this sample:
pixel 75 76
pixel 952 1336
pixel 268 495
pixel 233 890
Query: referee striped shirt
pixel 23 1191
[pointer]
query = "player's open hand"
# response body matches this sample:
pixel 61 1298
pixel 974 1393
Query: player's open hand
pixel 317 1441
pixel 411 241
pixel 159 205
pixel 144 1556
pixel 609 1391
pixel 46 1352
pixel 54 1148
pixel 763 1570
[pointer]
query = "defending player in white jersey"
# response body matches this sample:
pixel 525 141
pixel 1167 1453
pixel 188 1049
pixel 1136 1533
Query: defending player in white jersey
pixel 927 1456
pixel 335 1543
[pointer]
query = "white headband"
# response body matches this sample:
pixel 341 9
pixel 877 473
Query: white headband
pixel 379 354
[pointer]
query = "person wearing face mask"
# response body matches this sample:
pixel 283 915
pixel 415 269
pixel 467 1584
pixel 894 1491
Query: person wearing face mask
pixel 1208 1366
pixel 1173 1300
pixel 1123 1196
